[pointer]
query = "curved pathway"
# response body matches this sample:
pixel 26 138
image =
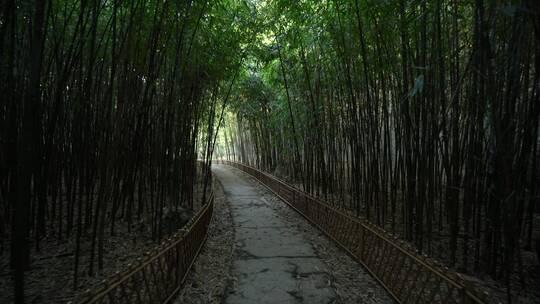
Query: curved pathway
pixel 273 262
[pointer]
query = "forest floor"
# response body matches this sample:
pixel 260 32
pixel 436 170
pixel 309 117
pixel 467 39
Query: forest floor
pixel 278 256
pixel 210 273
pixel 50 277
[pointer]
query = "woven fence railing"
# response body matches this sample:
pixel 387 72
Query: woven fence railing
pixel 408 276
pixel 160 275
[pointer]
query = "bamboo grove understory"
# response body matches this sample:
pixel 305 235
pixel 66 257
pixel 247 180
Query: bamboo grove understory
pixel 420 116
pixel 106 107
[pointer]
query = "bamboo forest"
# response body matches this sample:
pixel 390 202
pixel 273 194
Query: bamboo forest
pixel 269 151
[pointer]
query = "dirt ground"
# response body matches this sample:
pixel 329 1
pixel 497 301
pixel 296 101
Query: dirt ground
pixel 50 277
pixel 210 274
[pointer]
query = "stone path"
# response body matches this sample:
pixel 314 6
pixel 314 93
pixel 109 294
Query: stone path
pixel 273 263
